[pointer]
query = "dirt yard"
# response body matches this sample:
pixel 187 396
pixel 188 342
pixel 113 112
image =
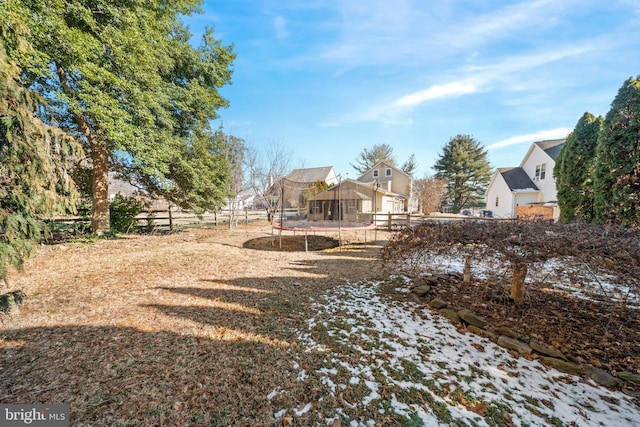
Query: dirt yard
pixel 200 327
pixel 191 328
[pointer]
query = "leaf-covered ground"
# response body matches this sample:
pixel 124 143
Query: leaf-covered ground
pixel 390 362
pixel 199 328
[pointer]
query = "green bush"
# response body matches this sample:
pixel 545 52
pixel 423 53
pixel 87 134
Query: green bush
pixel 123 211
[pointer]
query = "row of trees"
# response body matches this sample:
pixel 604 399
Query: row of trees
pixel 598 170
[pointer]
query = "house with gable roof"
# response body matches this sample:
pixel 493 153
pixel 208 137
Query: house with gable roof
pixel 529 189
pixel 294 189
pixel 382 189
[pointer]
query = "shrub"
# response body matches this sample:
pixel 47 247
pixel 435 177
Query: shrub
pixel 610 251
pixel 123 211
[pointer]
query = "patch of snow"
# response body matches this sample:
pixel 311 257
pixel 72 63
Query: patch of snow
pixel 273 394
pixel 416 353
pixel 304 410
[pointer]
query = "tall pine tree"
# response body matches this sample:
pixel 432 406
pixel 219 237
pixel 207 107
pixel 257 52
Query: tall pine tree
pixel 368 158
pixel 123 76
pixel 464 166
pixel 617 173
pixel 35 159
pixel 574 170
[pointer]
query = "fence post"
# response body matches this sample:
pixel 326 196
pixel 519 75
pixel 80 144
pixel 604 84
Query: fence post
pixel 389 222
pixel 409 219
pixel 246 215
pixel 170 219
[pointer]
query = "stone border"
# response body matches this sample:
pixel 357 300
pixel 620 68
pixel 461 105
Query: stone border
pixel 510 340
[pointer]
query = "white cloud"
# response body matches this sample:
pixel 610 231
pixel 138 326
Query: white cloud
pixel 529 61
pixel 504 22
pixel 435 92
pixel 474 79
pixel 531 137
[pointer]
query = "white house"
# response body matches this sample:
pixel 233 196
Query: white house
pixel 529 189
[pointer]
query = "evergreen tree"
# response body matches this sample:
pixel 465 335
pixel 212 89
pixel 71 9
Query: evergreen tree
pixel 617 172
pixel 574 170
pixel 124 77
pixel 368 158
pixel 35 160
pixel 409 167
pixel 463 164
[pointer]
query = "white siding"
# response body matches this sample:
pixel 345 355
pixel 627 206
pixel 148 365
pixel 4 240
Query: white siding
pixel 500 190
pixel 547 185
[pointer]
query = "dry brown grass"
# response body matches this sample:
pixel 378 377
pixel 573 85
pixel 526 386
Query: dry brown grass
pixel 191 328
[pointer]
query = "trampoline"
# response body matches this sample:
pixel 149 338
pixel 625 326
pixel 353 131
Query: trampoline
pixel 326 206
pixel 323 226
pixel 304 225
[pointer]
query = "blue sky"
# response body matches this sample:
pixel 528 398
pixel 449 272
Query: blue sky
pixel 328 78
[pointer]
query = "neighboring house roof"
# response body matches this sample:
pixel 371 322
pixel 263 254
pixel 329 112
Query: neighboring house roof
pixel 118 186
pixel 517 179
pixel 552 147
pixel 310 175
pixel 245 197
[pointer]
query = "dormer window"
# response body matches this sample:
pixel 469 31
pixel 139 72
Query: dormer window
pixel 387 172
pixel 376 173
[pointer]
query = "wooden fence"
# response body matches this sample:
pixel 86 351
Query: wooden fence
pixel 170 219
pixel 535 212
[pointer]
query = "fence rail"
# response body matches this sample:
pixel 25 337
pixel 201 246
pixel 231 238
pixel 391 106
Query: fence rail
pixel 170 219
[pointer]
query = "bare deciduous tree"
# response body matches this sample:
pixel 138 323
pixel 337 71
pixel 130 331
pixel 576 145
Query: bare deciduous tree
pixel 265 168
pixel 430 192
pixel 602 251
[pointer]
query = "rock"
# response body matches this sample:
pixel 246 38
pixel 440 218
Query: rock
pixel 574 359
pixel 562 365
pixel 506 332
pixel 539 348
pixel 628 376
pixel 471 318
pixel 602 377
pixel 429 280
pixel 422 290
pixel 455 275
pixel 514 344
pixel 450 314
pixel 481 332
pixel 413 297
pixel 438 303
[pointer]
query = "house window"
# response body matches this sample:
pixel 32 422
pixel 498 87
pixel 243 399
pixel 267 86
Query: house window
pixel 316 207
pixel 387 172
pixel 352 206
pixel 541 171
pixel 497 201
pixel 376 173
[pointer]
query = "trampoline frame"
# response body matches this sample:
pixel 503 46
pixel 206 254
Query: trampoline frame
pixel 323 228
